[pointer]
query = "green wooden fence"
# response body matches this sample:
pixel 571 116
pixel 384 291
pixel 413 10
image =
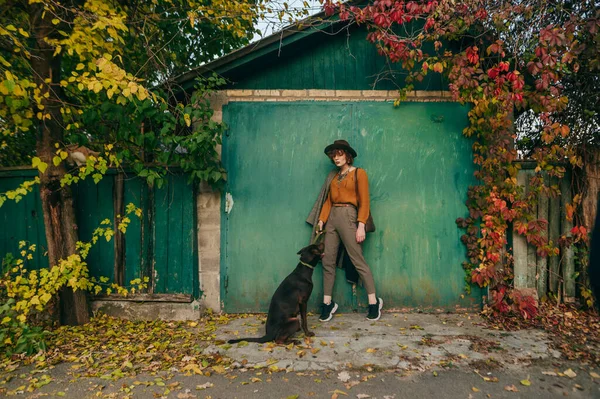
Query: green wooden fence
pixel 161 245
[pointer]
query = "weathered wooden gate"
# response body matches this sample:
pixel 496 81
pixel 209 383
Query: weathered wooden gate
pixel 161 246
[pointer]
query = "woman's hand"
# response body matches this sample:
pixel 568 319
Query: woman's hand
pixel 360 232
pixel 320 225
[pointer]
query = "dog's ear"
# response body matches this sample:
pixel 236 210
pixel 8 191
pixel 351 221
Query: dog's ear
pixel 299 252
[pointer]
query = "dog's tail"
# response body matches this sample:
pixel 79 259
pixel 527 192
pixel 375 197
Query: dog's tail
pixel 260 340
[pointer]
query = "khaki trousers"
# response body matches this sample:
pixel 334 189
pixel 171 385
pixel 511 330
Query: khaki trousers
pixel 341 226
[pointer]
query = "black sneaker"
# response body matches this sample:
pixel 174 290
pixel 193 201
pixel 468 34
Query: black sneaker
pixel 375 310
pixel 327 311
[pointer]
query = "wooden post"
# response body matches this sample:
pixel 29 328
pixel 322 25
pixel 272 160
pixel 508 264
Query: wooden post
pixel 553 234
pixel 542 262
pixel 568 260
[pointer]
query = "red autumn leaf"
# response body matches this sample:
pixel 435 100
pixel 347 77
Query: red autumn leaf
pixel 473 54
pixel 430 22
pixel 329 8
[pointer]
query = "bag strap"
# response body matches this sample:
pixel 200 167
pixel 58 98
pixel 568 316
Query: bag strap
pixel 356 188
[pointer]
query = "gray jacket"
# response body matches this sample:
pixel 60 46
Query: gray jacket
pixel 313 216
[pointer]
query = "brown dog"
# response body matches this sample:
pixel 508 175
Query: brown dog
pixel 291 298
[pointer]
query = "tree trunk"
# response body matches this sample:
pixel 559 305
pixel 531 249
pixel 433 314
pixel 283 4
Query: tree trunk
pixel 57 202
pixel 591 186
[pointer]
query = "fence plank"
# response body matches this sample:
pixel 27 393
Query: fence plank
pixel 520 246
pixel 160 238
pixel 568 259
pixel 531 251
pixel 119 238
pixel 553 234
pixel 542 261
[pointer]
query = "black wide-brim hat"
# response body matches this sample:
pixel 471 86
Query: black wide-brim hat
pixel 341 145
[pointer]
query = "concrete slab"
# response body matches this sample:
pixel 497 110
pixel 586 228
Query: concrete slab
pixel 415 342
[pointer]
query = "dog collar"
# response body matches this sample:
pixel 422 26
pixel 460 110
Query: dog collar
pixel 307 265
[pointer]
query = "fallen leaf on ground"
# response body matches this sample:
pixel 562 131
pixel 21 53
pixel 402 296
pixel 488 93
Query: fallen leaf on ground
pixel 474 389
pixel 552 373
pixel 362 396
pixel 511 388
pixel 526 382
pixel 351 384
pixel 204 386
pixel 570 373
pixel 344 376
pixel 219 369
pixel 338 392
pixel 594 375
pixel 372 350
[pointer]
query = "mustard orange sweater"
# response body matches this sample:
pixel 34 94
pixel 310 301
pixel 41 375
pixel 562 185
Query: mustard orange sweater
pixel 345 192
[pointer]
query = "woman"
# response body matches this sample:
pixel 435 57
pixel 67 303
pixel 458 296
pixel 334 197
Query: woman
pixel 344 215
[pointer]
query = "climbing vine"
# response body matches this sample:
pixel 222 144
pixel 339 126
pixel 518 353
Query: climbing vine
pixel 504 59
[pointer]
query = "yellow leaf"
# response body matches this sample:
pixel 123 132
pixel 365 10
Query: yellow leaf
pixel 80 66
pixel 22 32
pixel 570 373
pixel 474 389
pixel 55 21
pixel 371 350
pixel 45 297
pixel 526 382
pixel 219 369
pixel 11 28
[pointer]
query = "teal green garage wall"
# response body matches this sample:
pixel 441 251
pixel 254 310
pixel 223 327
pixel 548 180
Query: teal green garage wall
pixel 323 61
pixel 419 167
pixel 161 245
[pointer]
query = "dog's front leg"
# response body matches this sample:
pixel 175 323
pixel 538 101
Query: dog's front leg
pixel 303 307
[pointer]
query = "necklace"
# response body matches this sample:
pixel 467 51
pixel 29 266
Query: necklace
pixel 341 176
